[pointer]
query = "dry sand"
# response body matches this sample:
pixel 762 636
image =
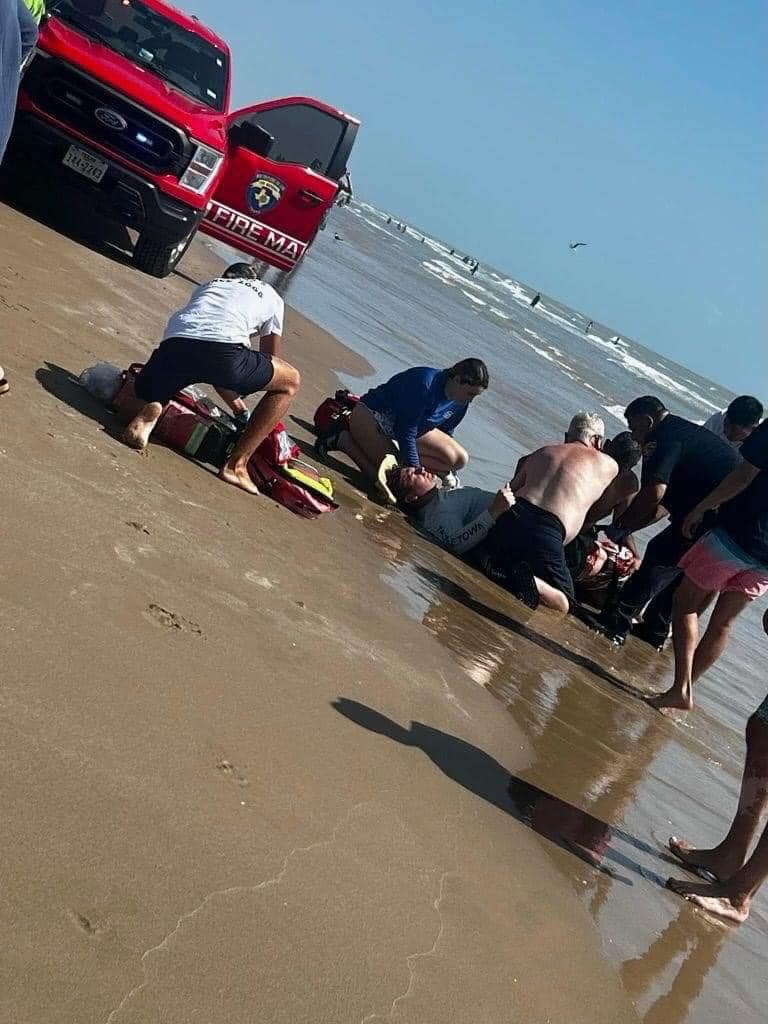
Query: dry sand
pixel 192 830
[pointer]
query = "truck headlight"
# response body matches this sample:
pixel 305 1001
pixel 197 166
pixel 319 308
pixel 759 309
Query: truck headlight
pixel 202 169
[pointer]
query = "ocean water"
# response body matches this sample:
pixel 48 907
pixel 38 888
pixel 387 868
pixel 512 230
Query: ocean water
pixel 611 777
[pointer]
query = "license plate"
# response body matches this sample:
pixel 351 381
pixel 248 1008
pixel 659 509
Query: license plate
pixel 85 163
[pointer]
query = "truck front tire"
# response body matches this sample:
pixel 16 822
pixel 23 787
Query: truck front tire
pixel 156 257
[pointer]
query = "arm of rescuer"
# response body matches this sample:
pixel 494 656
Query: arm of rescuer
pixel 413 402
pixel 470 534
pixel 736 482
pixel 648 508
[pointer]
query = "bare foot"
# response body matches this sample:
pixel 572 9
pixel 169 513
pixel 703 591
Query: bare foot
pixel 715 898
pixel 136 434
pixel 672 700
pixel 237 476
pixel 710 861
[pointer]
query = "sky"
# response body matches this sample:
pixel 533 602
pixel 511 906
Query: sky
pixel 511 128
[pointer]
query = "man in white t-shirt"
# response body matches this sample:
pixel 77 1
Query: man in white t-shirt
pixel 737 422
pixel 209 342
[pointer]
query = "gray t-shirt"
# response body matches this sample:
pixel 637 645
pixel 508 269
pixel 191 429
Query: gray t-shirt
pixel 458 519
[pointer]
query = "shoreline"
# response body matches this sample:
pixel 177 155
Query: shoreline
pixel 247 783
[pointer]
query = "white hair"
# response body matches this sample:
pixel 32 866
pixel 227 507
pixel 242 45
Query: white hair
pixel 584 426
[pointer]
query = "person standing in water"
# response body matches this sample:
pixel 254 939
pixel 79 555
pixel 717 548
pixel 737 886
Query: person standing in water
pixel 535 300
pixel 737 876
pixel 728 565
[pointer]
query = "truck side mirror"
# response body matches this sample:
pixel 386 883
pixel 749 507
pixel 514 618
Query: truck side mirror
pixel 252 137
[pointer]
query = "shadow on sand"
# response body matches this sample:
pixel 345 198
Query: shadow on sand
pixel 64 386
pixel 570 828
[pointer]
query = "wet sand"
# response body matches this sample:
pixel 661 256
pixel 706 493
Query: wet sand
pixel 265 769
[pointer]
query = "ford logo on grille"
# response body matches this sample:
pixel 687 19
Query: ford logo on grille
pixel 110 119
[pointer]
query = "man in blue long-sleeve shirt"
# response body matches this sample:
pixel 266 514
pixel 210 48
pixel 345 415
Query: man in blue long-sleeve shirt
pixel 413 416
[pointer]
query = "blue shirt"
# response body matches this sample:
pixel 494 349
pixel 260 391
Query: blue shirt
pixel 414 402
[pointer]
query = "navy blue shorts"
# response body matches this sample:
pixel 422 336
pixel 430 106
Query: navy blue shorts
pixel 178 362
pixel 527 533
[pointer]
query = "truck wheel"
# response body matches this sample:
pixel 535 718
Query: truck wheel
pixel 156 257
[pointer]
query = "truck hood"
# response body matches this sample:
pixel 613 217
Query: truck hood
pixel 134 82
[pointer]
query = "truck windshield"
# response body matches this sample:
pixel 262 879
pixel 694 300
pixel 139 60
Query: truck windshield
pixel 143 35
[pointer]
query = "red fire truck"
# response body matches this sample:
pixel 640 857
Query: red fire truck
pixel 129 100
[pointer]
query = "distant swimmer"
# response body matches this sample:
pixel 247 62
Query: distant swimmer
pixel 338 238
pixel 536 299
pixel 389 220
pixel 575 245
pixel 616 339
pixel 588 328
pixel 473 271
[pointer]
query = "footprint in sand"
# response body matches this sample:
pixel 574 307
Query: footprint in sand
pixel 231 771
pixel 162 617
pixel 139 527
pixel 84 923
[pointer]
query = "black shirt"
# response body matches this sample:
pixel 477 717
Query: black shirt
pixel 692 461
pixel 746 517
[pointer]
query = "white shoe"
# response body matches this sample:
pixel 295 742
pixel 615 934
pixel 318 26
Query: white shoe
pixel 450 481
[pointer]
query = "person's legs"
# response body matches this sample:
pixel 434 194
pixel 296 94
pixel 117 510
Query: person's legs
pixel 731 899
pixel 657 616
pixel 171 367
pixel 738 879
pixel 729 606
pixel 529 536
pixel 657 570
pixel 440 453
pixel 689 602
pixel 280 392
pixel 364 442
pixel 551 597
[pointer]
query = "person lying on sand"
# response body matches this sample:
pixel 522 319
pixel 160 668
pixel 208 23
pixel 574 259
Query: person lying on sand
pixel 208 341
pixel 458 519
pixel 554 490
pixel 412 416
pixel 736 876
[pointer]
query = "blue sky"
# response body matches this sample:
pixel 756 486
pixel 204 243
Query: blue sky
pixel 510 128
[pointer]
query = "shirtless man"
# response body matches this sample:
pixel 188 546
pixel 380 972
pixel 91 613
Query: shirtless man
pixel 554 490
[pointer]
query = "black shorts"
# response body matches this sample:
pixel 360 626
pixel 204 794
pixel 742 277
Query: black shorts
pixel 178 362
pixel 527 533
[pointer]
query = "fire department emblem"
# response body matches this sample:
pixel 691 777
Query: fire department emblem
pixel 264 193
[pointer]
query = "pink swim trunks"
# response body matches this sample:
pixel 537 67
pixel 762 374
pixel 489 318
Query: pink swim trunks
pixel 717 563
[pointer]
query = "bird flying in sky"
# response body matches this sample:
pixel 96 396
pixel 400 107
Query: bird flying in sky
pixel 575 245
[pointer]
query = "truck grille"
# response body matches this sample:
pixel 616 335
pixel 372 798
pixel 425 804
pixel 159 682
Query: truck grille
pixel 106 117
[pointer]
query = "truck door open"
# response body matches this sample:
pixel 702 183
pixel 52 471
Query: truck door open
pixel 285 167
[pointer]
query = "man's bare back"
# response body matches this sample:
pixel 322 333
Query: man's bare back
pixel 566 480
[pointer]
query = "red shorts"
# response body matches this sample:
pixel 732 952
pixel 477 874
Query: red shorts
pixel 717 563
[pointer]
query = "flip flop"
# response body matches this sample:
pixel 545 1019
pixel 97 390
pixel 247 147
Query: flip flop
pixel 4 386
pixel 388 463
